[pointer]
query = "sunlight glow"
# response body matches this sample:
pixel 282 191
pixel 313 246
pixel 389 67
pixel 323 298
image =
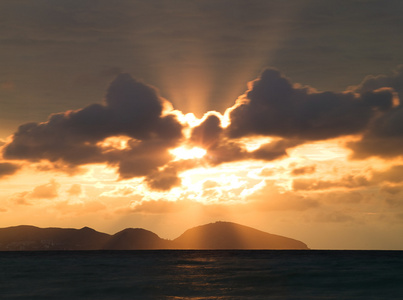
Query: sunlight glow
pixel 321 151
pixel 184 153
pixel 114 142
pixel 254 143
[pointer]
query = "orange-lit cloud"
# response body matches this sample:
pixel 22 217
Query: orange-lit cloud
pixel 139 135
pixel 75 190
pixel 49 190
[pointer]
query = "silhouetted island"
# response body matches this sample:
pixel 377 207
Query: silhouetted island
pixel 219 235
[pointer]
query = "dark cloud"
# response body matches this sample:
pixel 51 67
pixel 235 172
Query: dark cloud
pixel 163 180
pixel 8 169
pixel 274 150
pixel 167 177
pixel 135 108
pixel 222 148
pixel 273 106
pixel 372 83
pixel 54 140
pixel 227 150
pixel 208 133
pixel 164 42
pixel 303 170
pixel 384 138
pixel 132 109
pixel 140 158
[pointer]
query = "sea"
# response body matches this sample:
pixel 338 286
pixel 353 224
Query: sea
pixel 216 274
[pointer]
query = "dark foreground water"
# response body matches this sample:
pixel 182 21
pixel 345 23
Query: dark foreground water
pixel 298 275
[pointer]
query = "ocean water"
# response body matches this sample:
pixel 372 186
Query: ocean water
pixel 312 274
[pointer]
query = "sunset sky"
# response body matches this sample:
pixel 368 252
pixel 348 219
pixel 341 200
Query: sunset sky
pixel 284 116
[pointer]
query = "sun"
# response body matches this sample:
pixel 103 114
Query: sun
pixel 184 153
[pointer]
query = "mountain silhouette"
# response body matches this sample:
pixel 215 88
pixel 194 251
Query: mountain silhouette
pixel 219 235
pixel 33 238
pixel 226 235
pixel 136 239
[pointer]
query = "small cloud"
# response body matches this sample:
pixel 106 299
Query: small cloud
pixel 7 169
pixel 267 172
pixel 163 180
pixel 75 190
pixel 303 170
pixel 125 191
pixel 45 191
pixel 373 83
pixel 275 149
pixel 154 207
pixel 209 184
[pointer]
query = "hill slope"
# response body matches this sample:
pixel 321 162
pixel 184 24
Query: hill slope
pixel 226 235
pixel 135 239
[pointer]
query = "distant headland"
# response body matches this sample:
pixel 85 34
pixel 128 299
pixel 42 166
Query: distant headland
pixel 214 236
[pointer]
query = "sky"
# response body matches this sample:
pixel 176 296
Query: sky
pixel 284 116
